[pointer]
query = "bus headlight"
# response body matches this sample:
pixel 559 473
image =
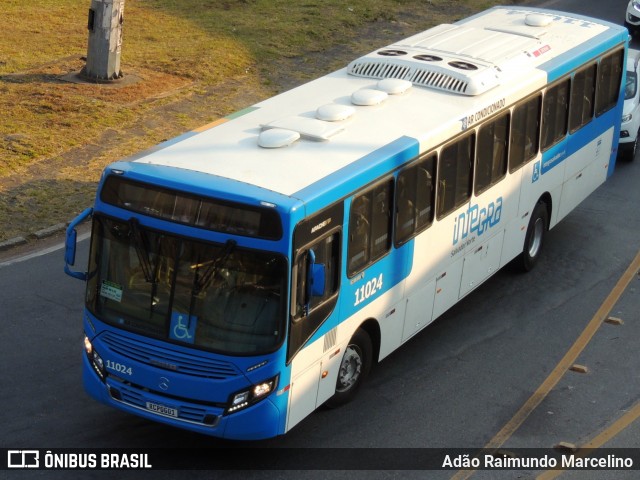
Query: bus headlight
pixel 96 360
pixel 245 398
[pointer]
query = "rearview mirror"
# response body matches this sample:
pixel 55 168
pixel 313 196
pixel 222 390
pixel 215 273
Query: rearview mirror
pixel 70 245
pixel 318 279
pixel 315 277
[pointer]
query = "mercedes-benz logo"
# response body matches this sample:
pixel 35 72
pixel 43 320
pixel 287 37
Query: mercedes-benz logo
pixel 164 383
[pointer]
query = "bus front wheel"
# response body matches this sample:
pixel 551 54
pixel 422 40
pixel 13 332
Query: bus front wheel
pixel 534 239
pixel 354 368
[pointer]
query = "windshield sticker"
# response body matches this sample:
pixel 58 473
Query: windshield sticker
pixel 183 327
pixel 111 291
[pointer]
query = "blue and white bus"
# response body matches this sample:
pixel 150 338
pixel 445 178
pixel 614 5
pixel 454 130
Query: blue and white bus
pixel 242 275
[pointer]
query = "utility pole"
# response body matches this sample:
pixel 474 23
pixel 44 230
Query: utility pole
pixel 105 41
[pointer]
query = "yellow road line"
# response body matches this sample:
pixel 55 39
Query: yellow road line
pixel 599 440
pixel 570 357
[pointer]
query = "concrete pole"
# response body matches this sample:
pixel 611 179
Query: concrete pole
pixel 105 40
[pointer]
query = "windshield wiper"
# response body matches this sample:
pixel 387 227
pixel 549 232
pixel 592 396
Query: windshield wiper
pixel 141 246
pixel 202 281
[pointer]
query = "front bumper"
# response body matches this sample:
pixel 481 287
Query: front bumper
pixel 259 421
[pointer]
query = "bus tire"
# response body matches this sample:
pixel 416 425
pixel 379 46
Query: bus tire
pixel 534 239
pixel 354 368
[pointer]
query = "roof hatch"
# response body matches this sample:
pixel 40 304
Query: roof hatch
pixel 307 127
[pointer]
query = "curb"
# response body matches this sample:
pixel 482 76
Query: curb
pixel 38 235
pixel 12 242
pixel 47 232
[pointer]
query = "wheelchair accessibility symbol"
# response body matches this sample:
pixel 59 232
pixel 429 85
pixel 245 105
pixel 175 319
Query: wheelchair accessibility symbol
pixel 536 172
pixel 182 327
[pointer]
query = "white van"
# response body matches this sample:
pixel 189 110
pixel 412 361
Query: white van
pixel 631 111
pixel 632 17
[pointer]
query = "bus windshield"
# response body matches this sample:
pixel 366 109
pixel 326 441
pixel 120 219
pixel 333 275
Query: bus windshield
pixel 219 297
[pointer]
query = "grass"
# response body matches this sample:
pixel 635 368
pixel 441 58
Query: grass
pixel 195 61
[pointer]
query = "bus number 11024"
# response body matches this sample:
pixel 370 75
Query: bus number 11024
pixel 367 290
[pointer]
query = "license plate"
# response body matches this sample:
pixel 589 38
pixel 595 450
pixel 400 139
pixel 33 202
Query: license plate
pixel 162 409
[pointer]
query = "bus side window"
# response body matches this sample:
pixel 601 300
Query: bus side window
pixel 370 226
pixel 327 253
pixel 583 93
pixel 525 128
pixel 554 114
pixel 455 175
pixel 608 83
pixel 426 189
pixel 381 219
pixel 359 233
pixel 415 189
pixel 491 156
pixel 405 204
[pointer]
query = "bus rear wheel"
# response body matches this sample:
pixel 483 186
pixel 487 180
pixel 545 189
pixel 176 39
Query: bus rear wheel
pixel 354 368
pixel 534 239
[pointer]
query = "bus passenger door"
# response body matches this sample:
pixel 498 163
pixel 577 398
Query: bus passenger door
pixel 586 170
pixel 315 282
pixel 455 185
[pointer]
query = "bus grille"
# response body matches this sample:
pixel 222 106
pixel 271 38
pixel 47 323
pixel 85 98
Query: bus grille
pixel 379 70
pixel 438 80
pixel 170 359
pixel 136 398
pixel 418 75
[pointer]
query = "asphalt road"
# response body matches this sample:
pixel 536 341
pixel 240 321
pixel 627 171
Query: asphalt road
pixel 492 371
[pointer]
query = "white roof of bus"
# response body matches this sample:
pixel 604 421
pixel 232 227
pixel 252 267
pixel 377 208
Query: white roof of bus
pixel 504 44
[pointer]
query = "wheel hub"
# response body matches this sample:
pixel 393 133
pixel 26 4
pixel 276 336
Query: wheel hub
pixel 536 238
pixel 350 369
